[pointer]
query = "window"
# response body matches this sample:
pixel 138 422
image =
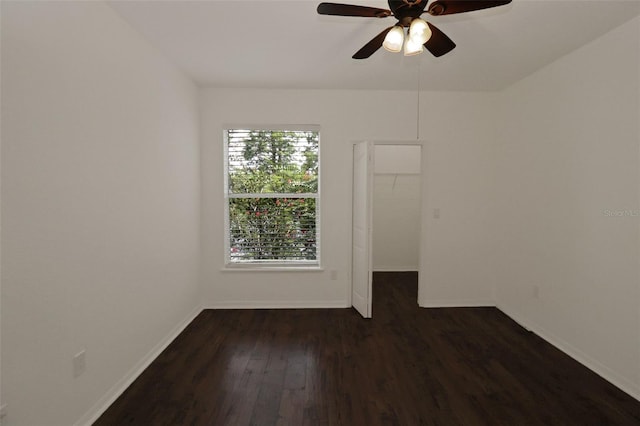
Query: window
pixel 272 198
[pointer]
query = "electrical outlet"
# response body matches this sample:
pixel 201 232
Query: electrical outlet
pixel 436 213
pixel 536 292
pixel 79 363
pixel 334 275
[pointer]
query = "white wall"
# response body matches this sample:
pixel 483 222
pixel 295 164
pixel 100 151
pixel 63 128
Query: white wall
pixel 568 152
pixel 457 157
pixel 100 206
pixel 458 265
pixel 396 207
pixel 396 222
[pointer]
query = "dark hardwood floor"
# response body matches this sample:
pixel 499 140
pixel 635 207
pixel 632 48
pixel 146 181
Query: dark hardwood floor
pixel 406 366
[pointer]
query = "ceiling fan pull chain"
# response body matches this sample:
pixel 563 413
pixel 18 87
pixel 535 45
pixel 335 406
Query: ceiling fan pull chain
pixel 418 106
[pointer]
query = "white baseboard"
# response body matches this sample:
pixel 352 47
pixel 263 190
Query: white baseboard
pixel 116 390
pixel 395 269
pixel 293 304
pixel 597 367
pixel 458 303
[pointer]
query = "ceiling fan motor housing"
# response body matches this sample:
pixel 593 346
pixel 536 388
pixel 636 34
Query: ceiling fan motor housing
pixel 406 10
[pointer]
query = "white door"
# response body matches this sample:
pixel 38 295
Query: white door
pixel 361 274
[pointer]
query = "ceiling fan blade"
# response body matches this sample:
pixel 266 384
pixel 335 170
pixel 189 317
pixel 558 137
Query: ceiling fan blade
pixel 371 47
pixel 448 7
pixel 439 43
pixel 340 9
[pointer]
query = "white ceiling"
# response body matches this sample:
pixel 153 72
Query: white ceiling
pixel 286 44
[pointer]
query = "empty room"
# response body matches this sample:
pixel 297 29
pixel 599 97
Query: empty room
pixel 268 212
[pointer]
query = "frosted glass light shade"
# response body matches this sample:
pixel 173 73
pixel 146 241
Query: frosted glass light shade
pixel 412 47
pixel 393 40
pixel 419 31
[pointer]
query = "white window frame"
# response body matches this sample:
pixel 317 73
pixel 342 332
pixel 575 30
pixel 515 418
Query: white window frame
pixel 275 265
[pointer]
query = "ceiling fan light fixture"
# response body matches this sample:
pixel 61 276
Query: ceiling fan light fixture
pixel 394 39
pixel 412 47
pixel 419 31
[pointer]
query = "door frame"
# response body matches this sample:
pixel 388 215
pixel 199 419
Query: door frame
pixel 424 204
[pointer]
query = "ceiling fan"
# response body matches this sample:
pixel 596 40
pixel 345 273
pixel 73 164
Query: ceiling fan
pixel 421 34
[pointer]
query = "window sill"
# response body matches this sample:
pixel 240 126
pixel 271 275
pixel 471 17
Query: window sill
pixel 257 268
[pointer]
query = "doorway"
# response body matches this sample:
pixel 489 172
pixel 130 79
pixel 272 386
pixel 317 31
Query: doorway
pixel 387 219
pixel 397 183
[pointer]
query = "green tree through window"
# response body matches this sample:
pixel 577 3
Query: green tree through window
pixel 272 194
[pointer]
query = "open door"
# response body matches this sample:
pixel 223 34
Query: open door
pixel 362 274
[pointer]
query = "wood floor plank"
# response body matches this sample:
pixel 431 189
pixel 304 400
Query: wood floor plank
pixel 406 366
